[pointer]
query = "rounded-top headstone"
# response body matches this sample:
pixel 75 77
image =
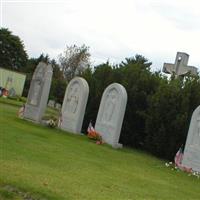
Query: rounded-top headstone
pixel 74 104
pixel 111 114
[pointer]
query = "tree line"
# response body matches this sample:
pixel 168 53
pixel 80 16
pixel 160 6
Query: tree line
pixel 158 109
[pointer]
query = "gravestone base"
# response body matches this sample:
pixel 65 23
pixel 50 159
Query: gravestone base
pixel 192 159
pixel 70 126
pixel 31 114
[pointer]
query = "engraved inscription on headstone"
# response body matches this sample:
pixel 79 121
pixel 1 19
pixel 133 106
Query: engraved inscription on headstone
pixel 110 106
pixel 73 98
pixel 74 104
pixel 111 114
pixel 38 92
pixel 35 95
pixel 191 156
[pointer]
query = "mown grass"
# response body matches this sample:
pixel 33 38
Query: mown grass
pixel 45 163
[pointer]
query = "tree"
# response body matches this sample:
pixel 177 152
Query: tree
pixel 168 115
pixel 139 61
pixel 58 85
pixel 74 60
pixel 158 110
pixel 12 52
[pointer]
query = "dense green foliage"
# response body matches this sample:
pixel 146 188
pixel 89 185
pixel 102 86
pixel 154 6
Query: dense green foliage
pixel 38 162
pixel 158 110
pixel 12 53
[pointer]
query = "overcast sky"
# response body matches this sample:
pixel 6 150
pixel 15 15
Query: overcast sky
pixel 113 29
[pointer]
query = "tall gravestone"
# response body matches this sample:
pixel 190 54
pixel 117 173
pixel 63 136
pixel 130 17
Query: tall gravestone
pixel 111 114
pixel 74 104
pixel 38 92
pixel 191 158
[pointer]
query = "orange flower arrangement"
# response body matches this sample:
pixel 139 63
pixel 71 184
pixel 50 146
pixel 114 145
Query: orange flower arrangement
pixel 94 135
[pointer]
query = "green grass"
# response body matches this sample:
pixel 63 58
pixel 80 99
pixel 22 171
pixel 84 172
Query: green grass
pixel 46 163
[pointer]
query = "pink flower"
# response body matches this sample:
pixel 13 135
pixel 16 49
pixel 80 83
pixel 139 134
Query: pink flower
pixel 98 142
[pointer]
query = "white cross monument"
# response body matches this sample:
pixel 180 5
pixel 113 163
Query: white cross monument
pixel 180 68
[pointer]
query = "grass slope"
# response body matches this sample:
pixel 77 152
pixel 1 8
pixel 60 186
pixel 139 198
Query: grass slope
pixel 51 164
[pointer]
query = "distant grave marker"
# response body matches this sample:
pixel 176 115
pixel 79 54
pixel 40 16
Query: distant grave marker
pixel 180 68
pixel 12 92
pixel 12 81
pixel 58 106
pixel 51 103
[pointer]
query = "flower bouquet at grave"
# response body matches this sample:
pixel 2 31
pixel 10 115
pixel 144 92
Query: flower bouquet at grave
pixel 50 121
pixel 93 134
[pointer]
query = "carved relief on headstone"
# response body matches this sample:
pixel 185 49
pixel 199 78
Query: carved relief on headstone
pixel 73 98
pixel 180 68
pixel 191 158
pixel 38 92
pixel 36 84
pixel 74 104
pixel 111 114
pixel 110 106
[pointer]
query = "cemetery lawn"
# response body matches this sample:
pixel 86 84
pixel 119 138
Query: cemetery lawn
pixel 38 162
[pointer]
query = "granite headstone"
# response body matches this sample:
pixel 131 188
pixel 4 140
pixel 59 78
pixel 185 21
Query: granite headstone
pixel 111 113
pixel 38 92
pixel 74 104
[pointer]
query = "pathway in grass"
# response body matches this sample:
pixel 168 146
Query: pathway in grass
pixel 58 165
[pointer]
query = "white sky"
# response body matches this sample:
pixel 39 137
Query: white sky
pixel 113 29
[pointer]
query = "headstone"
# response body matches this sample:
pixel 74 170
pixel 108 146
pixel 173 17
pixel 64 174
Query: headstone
pixel 38 92
pixel 58 106
pixel 51 103
pixel 12 92
pixel 12 79
pixel 74 104
pixel 111 113
pixel 180 68
pixel 191 158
